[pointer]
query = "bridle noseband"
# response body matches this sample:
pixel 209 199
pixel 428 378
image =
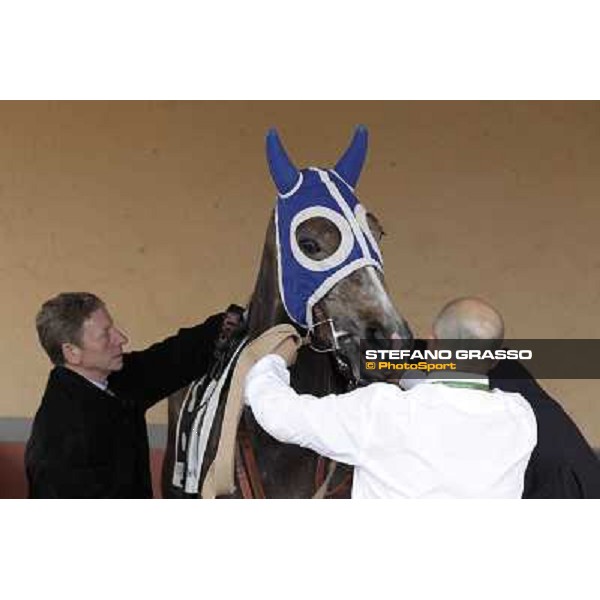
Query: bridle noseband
pixel 330 345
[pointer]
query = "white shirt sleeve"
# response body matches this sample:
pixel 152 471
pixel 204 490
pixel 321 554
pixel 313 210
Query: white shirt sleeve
pixel 335 426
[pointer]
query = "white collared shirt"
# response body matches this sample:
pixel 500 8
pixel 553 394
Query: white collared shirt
pixel 103 385
pixel 433 441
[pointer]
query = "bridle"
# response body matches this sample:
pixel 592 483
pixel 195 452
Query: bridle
pixel 329 343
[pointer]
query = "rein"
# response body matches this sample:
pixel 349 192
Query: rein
pixel 250 480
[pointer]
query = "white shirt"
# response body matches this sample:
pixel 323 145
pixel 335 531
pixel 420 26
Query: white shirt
pixel 433 441
pixel 102 385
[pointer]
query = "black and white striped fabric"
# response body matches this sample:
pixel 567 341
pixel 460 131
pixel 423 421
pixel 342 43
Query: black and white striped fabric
pixel 201 414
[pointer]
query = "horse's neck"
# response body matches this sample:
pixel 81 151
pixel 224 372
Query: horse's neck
pixel 266 308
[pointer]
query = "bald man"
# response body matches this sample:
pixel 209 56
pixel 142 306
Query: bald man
pixel 443 438
pixel 562 465
pixel 462 324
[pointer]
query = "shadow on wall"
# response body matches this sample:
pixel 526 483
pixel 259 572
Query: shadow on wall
pixel 13 483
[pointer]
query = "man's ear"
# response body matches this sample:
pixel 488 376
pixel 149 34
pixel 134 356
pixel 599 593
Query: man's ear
pixel 71 353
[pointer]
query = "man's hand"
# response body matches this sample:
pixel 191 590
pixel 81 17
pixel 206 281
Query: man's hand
pixel 288 350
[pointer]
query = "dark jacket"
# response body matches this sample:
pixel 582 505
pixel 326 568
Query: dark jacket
pixel 562 465
pixel 87 443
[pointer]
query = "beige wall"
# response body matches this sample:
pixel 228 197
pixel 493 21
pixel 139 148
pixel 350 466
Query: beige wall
pixel 160 207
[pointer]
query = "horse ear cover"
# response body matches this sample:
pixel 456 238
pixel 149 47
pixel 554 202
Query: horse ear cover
pixel 351 163
pixel 283 172
pixel 315 191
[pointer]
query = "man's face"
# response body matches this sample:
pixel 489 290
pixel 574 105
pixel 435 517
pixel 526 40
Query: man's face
pixel 101 349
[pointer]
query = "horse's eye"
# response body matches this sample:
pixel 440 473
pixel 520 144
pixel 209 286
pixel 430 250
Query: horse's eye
pixel 309 247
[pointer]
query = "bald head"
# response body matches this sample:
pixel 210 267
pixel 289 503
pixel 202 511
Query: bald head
pixel 469 319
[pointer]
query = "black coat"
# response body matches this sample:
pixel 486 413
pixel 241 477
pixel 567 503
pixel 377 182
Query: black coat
pixel 87 443
pixel 562 465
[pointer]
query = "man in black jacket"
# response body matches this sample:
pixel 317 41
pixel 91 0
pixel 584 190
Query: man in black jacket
pixel 562 465
pixel 89 436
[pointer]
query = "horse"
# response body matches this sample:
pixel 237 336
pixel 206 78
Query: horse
pixel 321 270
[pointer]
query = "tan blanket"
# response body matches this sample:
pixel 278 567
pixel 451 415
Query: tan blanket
pixel 220 478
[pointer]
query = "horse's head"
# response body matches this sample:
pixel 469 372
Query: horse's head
pixel 329 266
